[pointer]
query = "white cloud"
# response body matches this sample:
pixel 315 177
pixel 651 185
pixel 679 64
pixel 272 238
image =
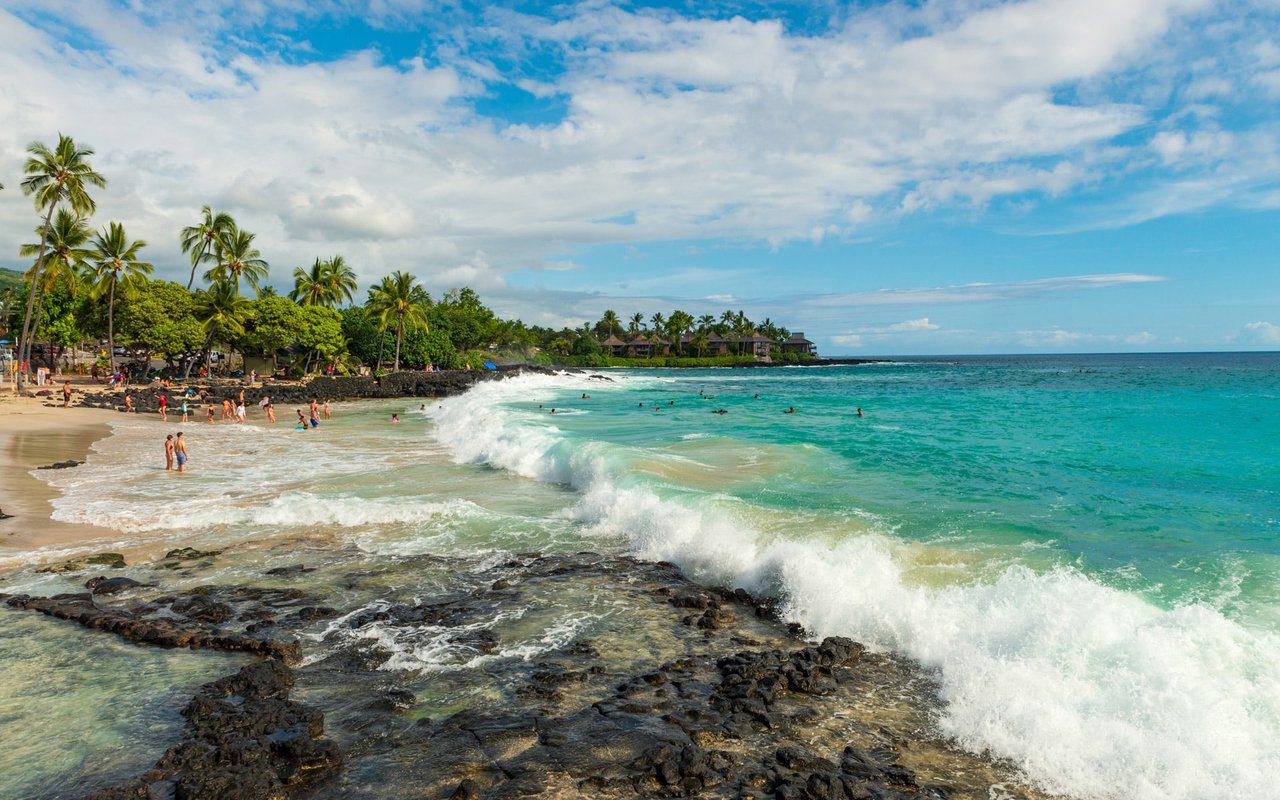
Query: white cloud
pixel 1262 332
pixel 696 128
pixel 1059 338
pixel 978 292
pixel 922 324
pixel 847 340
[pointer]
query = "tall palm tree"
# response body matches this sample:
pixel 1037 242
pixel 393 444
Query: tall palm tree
pixel 309 285
pixel 340 280
pixel 203 239
pixel 221 310
pixel 400 298
pixel 636 323
pixel 705 322
pixel 54 176
pixel 115 264
pixel 235 257
pixel 609 322
pixel 678 325
pixel 64 255
pixel 327 283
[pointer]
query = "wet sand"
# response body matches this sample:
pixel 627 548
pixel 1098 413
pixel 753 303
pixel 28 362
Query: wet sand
pixel 33 434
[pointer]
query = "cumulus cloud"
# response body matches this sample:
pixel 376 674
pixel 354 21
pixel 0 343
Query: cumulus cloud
pixel 672 127
pixel 922 324
pixel 1059 338
pixel 1262 332
pixel 847 340
pixel 978 292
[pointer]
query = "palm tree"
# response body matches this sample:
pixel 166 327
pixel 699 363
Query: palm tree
pixel 400 298
pixel 705 322
pixel 115 264
pixel 340 281
pixel 220 310
pixel 609 322
pixel 64 255
pixel 55 175
pixel 636 324
pixel 203 239
pixel 309 285
pixel 678 325
pixel 235 257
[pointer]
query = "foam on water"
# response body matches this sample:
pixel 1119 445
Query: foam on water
pixel 1089 689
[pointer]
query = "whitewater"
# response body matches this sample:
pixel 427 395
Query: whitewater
pixel 1083 551
pixel 1094 682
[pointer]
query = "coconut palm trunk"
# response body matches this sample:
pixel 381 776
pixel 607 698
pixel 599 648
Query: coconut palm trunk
pixel 399 336
pixel 28 330
pixel 111 324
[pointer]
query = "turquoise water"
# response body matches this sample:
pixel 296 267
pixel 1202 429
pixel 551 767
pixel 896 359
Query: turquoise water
pixel 1084 551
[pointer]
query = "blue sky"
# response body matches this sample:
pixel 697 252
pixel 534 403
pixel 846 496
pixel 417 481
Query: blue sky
pixel 890 178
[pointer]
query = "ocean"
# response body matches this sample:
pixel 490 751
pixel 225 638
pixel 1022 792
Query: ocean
pixel 1083 552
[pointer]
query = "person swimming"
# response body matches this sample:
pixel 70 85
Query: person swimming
pixel 791 410
pixel 395 419
pixel 860 413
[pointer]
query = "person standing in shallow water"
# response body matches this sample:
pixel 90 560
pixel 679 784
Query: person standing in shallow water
pixel 168 452
pixel 180 445
pixel 328 413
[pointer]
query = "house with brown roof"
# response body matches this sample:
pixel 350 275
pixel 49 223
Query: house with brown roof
pixel 642 346
pixel 614 346
pixel 796 343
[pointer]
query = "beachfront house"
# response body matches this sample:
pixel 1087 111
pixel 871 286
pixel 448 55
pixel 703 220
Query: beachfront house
pixel 613 346
pixel 642 346
pixel 796 343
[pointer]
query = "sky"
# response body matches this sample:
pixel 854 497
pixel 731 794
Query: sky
pixel 971 176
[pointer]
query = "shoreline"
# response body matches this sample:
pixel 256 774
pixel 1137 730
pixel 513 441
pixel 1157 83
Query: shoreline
pixel 693 629
pixel 32 435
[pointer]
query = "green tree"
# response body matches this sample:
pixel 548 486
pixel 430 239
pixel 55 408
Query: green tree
pixel 271 323
pixel 54 176
pixel 221 311
pixel 204 239
pixel 320 334
pixel 635 324
pixel 115 266
pixel 236 258
pixel 609 323
pixel 309 288
pixel 64 257
pixel 158 318
pixel 399 298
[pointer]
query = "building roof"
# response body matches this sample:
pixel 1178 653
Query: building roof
pixel 613 341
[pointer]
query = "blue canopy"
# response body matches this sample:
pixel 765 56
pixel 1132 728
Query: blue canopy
pixel 489 365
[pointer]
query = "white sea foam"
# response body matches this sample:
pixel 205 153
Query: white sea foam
pixel 1092 691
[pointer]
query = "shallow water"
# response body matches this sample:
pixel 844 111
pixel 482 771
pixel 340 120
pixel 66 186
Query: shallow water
pixel 1082 550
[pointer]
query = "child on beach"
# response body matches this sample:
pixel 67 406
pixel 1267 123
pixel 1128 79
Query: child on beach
pixel 184 409
pixel 164 407
pixel 302 421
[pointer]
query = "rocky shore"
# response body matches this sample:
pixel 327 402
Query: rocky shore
pixel 284 393
pixel 680 691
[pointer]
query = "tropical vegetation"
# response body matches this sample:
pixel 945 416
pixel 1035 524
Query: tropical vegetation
pixel 84 286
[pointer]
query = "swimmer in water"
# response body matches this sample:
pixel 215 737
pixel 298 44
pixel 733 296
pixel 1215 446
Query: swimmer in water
pixel 395 419
pixel 791 410
pixel 860 413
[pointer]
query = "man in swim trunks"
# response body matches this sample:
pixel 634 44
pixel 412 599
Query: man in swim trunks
pixel 66 395
pixel 168 452
pixel 180 446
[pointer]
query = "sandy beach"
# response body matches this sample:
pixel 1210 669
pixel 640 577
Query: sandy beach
pixel 35 432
